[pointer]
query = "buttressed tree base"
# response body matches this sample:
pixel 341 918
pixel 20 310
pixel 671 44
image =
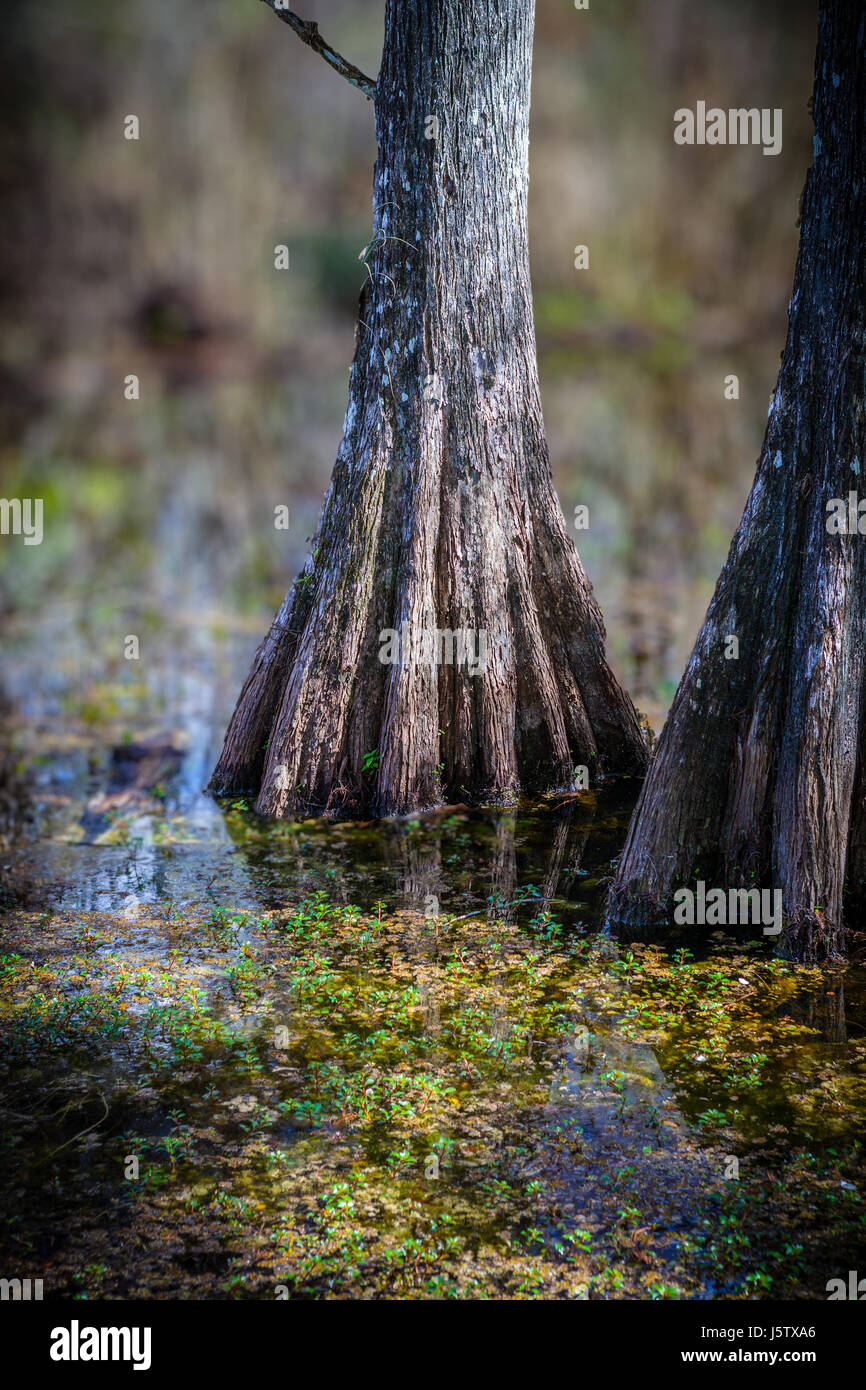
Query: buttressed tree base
pixel 759 778
pixel 441 516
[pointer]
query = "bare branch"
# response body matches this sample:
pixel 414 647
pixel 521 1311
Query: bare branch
pixel 308 32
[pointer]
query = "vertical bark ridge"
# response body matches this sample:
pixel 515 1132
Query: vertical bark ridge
pixel 754 778
pixel 442 513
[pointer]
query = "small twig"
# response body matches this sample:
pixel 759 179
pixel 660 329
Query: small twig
pixel 308 32
pixel 504 907
pixel 80 1135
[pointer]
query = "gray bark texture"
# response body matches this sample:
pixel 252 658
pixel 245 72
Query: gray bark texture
pixel 441 512
pixel 759 777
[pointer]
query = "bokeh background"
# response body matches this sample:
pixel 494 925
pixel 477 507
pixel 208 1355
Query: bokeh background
pixel 156 257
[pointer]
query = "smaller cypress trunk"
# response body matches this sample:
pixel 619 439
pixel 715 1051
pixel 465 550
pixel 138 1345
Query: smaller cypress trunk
pixel 759 778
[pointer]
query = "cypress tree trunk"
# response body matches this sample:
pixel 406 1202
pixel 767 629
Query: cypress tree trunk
pixel 759 777
pixel 441 514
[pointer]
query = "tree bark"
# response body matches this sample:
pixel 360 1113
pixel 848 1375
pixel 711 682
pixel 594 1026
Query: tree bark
pixel 441 513
pixel 759 778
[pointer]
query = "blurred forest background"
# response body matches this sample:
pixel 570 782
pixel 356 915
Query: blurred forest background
pixel 156 257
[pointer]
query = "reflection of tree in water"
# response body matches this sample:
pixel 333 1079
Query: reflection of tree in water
pixel 571 834
pixel 824 1010
pixel 445 866
pixel 503 866
pixel 482 864
pixel 418 871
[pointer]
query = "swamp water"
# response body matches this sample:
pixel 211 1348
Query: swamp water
pixel 258 1060
pixel 406 1060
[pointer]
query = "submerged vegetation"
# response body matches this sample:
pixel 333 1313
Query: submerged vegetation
pixel 311 1099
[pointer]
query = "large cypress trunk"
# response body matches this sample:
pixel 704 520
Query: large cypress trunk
pixel 759 777
pixel 441 515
